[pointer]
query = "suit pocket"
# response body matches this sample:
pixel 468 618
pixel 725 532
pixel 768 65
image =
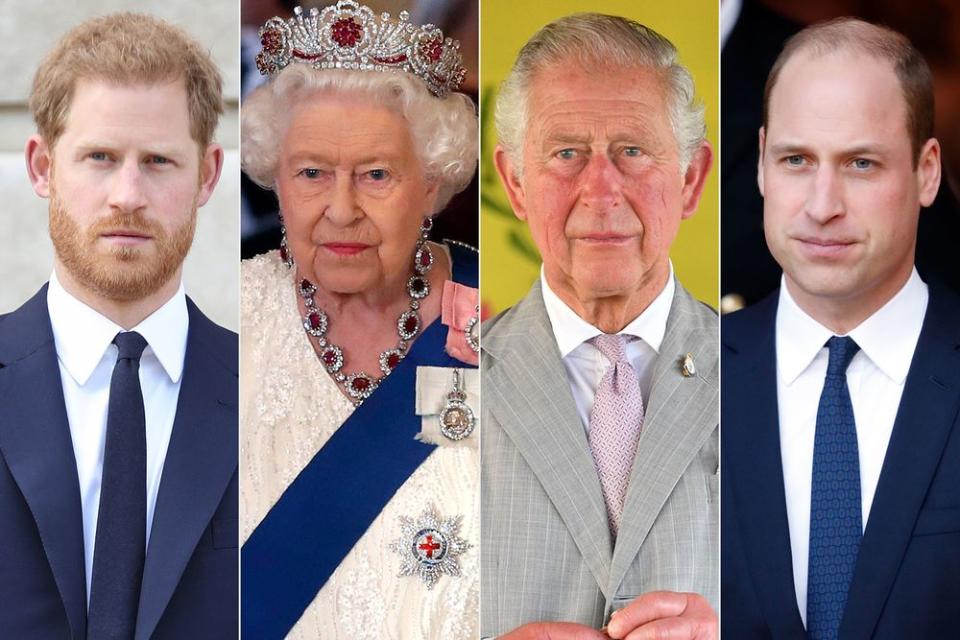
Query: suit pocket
pixel 934 521
pixel 226 533
pixel 714 486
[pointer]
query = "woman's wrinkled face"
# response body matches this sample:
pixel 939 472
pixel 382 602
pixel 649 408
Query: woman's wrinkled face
pixel 352 193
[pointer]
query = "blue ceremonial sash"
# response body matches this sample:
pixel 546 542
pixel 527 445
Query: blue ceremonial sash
pixel 332 502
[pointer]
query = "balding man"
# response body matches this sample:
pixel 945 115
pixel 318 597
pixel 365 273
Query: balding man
pixel 841 451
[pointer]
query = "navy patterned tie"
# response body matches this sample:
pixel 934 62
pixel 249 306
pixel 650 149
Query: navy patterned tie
pixel 835 522
pixel 121 543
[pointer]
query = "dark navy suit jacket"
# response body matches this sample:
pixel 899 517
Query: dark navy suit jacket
pixel 190 576
pixel 906 583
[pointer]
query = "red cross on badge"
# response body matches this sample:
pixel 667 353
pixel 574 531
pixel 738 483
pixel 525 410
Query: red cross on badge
pixel 429 546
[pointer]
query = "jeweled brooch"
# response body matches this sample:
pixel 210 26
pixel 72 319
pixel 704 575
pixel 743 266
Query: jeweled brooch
pixel 430 546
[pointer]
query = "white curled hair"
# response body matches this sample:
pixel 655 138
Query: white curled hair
pixel 444 130
pixel 598 41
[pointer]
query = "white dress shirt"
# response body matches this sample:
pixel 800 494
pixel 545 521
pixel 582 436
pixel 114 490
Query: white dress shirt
pixel 585 364
pixel 875 377
pixel 86 355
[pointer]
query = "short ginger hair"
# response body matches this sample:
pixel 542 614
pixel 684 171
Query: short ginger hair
pixel 126 48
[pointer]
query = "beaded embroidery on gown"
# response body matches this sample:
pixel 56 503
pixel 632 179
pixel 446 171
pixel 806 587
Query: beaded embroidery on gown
pixel 289 408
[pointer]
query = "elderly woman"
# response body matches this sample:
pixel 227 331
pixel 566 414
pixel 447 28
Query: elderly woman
pixel 360 468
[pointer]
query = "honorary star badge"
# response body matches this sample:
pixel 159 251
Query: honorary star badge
pixel 430 546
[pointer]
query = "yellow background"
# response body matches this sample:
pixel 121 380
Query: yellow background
pixel 509 263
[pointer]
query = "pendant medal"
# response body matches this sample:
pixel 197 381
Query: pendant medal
pixel 457 419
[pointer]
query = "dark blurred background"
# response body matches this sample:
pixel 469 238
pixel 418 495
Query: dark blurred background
pixel 752 35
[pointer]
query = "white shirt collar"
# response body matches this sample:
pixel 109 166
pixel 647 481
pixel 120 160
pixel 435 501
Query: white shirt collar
pixel 888 337
pixel 82 334
pixel 570 330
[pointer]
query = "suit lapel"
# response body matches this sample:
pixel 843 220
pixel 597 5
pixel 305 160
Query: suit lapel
pixel 751 445
pixel 529 395
pixel 925 419
pixel 35 442
pixel 681 414
pixel 200 461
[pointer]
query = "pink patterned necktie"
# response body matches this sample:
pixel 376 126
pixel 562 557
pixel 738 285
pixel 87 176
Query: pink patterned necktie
pixel 615 423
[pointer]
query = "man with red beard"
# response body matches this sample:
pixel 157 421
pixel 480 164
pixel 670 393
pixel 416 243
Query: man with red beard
pixel 118 421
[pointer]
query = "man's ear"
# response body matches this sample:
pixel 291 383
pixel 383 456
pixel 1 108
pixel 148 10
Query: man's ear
pixel 762 140
pixel 211 164
pixel 507 169
pixel 39 157
pixel 929 172
pixel 695 177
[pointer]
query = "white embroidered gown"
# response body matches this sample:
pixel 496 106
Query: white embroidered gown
pixel 290 407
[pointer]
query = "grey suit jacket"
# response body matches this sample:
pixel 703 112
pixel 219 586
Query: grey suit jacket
pixel 547 552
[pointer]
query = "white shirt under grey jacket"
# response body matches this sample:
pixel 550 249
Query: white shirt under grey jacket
pixel 584 363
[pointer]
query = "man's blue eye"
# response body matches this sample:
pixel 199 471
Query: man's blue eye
pixel 566 154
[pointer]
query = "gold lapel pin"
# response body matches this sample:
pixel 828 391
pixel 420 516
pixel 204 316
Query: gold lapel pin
pixel 687 368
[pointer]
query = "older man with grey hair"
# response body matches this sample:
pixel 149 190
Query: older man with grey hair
pixel 600 386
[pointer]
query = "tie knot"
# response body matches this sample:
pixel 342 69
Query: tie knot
pixel 611 346
pixel 842 351
pixel 130 344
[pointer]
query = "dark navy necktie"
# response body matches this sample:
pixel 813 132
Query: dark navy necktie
pixel 835 508
pixel 122 521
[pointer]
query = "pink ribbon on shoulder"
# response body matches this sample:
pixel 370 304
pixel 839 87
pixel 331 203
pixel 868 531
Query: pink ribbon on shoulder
pixel 458 305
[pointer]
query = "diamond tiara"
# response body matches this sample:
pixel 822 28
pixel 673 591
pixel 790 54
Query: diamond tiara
pixel 349 35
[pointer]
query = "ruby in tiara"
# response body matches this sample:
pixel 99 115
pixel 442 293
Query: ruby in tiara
pixel 431 49
pixel 346 33
pixel 272 41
